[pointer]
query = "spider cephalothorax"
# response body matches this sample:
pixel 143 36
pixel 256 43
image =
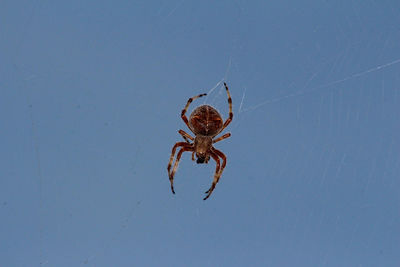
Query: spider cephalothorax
pixel 202 147
pixel 206 123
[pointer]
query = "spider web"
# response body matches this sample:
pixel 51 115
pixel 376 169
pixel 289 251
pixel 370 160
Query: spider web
pixel 313 159
pixel 376 101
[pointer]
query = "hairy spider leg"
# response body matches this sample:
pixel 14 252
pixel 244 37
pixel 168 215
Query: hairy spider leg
pixel 222 155
pixel 217 170
pixel 178 157
pixel 228 120
pixel 179 144
pixel 222 137
pixel 217 175
pixel 183 116
pixel 185 136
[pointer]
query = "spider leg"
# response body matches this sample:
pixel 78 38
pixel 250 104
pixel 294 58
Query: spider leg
pixel 222 155
pixel 222 137
pixel 184 144
pixel 183 116
pixel 228 120
pixel 218 173
pixel 217 168
pixel 185 136
pixel 178 157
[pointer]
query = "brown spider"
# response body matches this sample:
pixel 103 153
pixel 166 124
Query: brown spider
pixel 206 123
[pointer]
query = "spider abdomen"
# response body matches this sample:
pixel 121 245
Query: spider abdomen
pixel 205 120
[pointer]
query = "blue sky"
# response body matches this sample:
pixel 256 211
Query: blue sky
pixel 91 95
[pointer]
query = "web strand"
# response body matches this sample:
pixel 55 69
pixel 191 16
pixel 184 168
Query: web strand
pixel 303 92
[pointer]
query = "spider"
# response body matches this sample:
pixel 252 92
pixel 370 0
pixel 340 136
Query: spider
pixel 206 123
